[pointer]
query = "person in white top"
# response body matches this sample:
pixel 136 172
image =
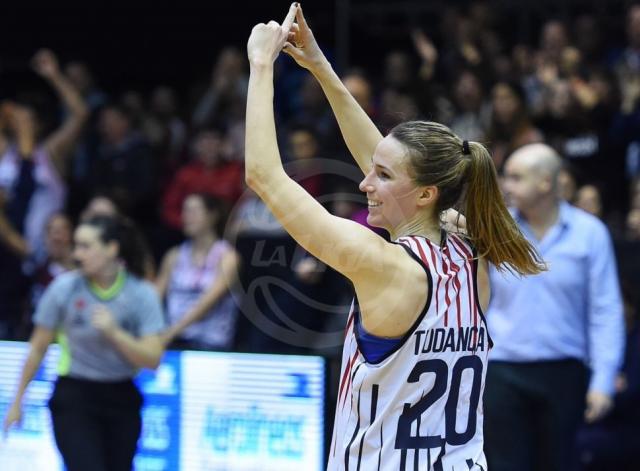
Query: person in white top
pixel 416 345
pixel 194 280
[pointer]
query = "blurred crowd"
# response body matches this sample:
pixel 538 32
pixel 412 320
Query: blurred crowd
pixel 175 167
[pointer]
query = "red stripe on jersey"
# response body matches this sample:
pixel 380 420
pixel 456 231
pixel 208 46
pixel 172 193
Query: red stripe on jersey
pixel 445 269
pixel 472 286
pixel 349 321
pixel 462 253
pixel 435 269
pixel 454 280
pixel 345 375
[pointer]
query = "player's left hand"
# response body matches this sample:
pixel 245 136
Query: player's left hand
pixel 266 41
pixel 598 405
pixel 103 320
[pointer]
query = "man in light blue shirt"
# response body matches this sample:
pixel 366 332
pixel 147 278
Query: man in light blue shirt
pixel 550 330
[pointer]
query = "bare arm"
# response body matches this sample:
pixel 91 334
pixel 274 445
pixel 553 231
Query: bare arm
pixel 342 244
pixel 162 280
pixel 360 133
pixel 60 143
pixel 228 270
pixel 38 345
pixel 12 238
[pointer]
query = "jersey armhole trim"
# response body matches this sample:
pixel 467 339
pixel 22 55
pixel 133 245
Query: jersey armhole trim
pixel 476 262
pixel 414 326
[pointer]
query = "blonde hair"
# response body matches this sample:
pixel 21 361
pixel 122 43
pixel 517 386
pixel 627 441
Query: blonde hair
pixel 467 180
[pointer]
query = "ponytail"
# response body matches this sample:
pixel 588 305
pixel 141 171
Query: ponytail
pixel 490 227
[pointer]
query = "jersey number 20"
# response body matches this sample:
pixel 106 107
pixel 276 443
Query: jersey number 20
pixel 412 413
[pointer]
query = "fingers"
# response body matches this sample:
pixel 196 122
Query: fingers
pixel 300 17
pixel 291 15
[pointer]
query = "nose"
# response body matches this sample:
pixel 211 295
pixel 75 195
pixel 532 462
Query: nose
pixel 366 185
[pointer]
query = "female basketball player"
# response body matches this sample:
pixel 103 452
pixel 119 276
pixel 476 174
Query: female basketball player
pixel 107 321
pixel 416 344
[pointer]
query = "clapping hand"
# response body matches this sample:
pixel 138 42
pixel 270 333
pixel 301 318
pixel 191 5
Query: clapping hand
pixel 266 41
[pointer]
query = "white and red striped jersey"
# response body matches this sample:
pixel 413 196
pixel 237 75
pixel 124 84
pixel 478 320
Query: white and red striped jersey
pixel 420 406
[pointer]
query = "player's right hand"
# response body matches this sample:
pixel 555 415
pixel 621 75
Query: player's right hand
pixel 14 416
pixel 302 45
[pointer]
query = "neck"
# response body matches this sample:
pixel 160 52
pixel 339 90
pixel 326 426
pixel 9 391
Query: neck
pixel 202 243
pixel 107 278
pixel 419 225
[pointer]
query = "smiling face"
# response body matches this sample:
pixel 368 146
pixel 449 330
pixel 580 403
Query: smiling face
pixel 92 254
pixel 391 192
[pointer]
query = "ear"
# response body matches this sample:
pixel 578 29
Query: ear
pixel 545 184
pixel 427 195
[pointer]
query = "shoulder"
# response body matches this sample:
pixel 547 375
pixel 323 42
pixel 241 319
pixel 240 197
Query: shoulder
pixel 171 256
pixel 583 221
pixel 67 281
pixel 141 287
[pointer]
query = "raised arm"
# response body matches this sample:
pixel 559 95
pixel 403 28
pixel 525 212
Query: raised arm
pixel 60 143
pixel 342 244
pixel 360 133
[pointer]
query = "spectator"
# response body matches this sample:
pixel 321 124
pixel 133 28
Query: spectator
pixel 550 329
pixel 208 172
pixel 32 167
pixel 194 279
pixel 510 126
pixel 123 164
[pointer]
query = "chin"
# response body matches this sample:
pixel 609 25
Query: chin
pixel 375 222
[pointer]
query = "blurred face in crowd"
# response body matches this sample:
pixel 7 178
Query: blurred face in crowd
pixel 633 224
pixel 207 147
pixel 230 62
pixel 79 75
pixel 528 177
pixel 468 92
pixel 303 145
pixel 554 38
pixel 360 89
pixel 164 101
pixel 506 103
pixel 588 198
pixel 114 125
pixel 59 237
pixel 17 116
pixel 92 255
pixel 196 218
pixel 567 185
pixel 397 70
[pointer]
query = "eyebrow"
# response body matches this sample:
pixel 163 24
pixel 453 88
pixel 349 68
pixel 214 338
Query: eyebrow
pixel 381 166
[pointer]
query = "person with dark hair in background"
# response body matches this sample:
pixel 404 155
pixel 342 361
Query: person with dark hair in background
pixel 510 126
pixel 107 321
pixel 427 280
pixel 32 168
pixel 194 278
pixel 559 336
